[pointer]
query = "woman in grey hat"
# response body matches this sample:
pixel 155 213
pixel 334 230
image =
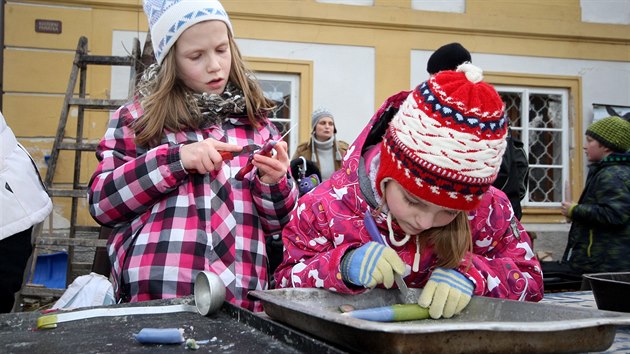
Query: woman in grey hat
pixel 323 148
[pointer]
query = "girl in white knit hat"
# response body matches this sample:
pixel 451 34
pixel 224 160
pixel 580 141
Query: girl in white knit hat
pixel 166 178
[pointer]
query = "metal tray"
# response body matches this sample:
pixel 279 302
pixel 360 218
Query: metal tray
pixel 487 325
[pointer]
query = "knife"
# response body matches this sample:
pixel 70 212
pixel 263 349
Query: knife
pixel 247 149
pixel 264 150
pixel 372 229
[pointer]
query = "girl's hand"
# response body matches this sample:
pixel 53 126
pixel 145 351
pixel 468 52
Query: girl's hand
pixel 272 168
pixel 203 156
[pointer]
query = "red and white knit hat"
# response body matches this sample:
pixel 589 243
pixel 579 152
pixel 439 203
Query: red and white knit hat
pixel 446 142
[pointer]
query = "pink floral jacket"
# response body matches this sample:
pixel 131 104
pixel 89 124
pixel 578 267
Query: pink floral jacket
pixel 328 222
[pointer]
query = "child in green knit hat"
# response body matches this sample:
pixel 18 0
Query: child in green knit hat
pixel 611 133
pixel 599 238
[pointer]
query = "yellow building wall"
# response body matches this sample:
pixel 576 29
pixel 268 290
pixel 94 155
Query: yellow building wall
pixel 36 72
pixel 37 65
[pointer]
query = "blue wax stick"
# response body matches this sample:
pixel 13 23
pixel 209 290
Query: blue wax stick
pixel 160 336
pixel 371 227
pixel 377 314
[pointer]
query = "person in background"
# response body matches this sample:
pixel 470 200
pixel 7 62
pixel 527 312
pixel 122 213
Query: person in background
pixel 25 203
pixel 514 171
pixel 599 238
pixel 165 182
pixel 323 147
pixel 419 172
pixel 448 57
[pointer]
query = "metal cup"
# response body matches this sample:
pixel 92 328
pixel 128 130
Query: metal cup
pixel 209 292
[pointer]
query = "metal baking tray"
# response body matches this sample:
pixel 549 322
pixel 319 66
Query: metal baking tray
pixel 487 325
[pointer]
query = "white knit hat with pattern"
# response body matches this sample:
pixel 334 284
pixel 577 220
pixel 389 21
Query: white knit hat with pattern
pixel 168 19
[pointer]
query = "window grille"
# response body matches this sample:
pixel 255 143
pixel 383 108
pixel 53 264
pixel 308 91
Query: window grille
pixel 539 118
pixel 283 90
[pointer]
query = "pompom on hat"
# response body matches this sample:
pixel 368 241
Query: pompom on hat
pixel 446 142
pixel 168 19
pixel 612 132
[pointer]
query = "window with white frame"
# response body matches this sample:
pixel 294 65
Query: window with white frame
pixel 540 118
pixel 283 89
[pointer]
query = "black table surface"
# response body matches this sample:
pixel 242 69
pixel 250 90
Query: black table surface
pixel 229 330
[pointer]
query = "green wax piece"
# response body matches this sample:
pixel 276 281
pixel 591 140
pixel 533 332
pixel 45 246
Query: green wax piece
pixel 409 312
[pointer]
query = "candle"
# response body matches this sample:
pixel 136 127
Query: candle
pixel 392 313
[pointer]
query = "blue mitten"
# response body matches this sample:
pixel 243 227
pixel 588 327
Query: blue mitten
pixel 371 264
pixel 446 293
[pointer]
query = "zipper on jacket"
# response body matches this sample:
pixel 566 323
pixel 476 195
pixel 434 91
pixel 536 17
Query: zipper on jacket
pixel 590 243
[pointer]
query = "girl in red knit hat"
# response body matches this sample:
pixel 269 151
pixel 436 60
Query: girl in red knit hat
pixel 421 171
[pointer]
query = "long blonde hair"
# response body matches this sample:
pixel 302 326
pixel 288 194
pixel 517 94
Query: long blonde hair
pixel 169 107
pixel 451 241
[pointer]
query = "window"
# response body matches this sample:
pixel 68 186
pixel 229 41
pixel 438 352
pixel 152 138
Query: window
pixel 539 117
pixel 457 6
pixel 283 89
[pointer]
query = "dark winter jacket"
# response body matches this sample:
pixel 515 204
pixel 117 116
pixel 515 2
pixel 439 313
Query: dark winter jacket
pixel 599 239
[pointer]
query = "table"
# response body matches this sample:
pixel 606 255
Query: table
pixel 585 299
pixel 229 330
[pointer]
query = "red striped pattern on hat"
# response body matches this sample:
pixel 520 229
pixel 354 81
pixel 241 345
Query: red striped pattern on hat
pixel 446 142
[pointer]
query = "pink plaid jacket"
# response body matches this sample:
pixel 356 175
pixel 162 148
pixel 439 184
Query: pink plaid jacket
pixel 168 224
pixel 329 220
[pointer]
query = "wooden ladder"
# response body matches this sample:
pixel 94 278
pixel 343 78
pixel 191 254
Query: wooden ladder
pixel 85 236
